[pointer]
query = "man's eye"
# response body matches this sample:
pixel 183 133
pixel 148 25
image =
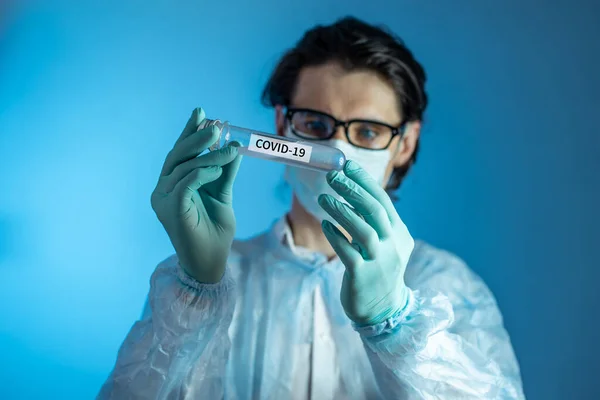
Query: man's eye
pixel 367 134
pixel 316 126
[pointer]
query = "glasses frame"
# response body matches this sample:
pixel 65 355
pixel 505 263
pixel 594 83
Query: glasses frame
pixel 396 130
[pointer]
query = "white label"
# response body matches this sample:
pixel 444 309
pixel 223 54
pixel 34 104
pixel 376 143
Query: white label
pixel 280 148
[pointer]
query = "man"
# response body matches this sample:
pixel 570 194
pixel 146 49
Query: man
pixel 336 301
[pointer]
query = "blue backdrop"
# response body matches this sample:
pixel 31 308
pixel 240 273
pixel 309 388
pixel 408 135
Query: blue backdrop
pixel 93 96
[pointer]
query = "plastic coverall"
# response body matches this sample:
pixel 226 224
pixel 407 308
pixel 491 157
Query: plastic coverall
pixel 274 328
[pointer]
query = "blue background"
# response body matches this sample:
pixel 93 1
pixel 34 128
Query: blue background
pixel 93 96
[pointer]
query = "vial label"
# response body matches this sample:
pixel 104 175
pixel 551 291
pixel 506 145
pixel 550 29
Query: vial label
pixel 280 148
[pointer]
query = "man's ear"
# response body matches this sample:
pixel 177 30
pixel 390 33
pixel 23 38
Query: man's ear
pixel 408 144
pixel 280 120
pixel 403 148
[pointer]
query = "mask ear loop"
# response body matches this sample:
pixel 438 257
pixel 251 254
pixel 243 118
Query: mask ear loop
pixel 395 151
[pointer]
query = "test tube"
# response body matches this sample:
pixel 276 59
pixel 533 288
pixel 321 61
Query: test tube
pixel 299 153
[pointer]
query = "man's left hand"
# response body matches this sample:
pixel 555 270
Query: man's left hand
pixel 373 287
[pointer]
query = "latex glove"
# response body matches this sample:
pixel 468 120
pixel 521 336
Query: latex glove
pixel 373 286
pixel 193 200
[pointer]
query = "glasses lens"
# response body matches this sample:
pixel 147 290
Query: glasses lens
pixel 370 135
pixel 312 124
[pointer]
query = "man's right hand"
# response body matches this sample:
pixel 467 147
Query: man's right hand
pixel 193 200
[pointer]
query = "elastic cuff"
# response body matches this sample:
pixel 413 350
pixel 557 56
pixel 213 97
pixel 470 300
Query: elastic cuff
pixel 390 324
pixel 225 283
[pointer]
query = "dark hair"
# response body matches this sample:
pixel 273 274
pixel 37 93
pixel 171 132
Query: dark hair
pixel 355 44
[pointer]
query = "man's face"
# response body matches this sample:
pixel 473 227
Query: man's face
pixel 353 95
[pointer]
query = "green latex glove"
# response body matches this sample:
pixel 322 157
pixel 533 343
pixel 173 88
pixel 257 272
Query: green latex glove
pixel 373 286
pixel 193 200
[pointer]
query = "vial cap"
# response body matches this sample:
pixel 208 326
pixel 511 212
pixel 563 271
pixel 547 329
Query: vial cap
pixel 210 122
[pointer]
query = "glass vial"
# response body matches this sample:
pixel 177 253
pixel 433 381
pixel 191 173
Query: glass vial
pixel 299 153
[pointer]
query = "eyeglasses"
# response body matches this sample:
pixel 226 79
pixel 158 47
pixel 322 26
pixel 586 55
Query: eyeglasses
pixel 366 134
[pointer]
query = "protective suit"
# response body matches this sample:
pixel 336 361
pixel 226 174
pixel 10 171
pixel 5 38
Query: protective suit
pixel 274 328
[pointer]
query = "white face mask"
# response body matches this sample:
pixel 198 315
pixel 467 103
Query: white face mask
pixel 309 184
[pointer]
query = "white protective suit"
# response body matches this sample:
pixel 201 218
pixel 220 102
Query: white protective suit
pixel 274 328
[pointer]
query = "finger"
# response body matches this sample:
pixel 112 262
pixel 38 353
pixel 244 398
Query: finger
pixel 353 171
pixel 362 201
pixel 217 158
pixel 362 234
pixel 222 188
pixel 347 254
pixel 190 147
pixel 191 126
pixel 194 180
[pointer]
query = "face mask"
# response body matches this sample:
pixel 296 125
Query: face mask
pixel 308 184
